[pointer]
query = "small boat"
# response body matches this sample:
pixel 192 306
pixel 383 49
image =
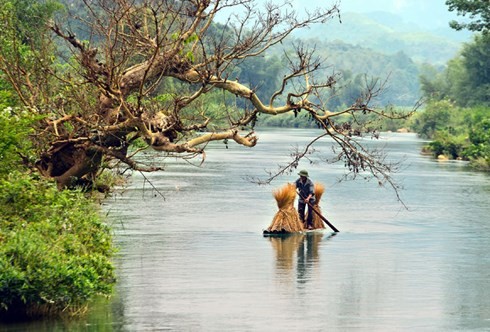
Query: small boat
pixel 287 221
pixel 267 232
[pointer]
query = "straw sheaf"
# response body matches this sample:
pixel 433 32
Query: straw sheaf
pixel 317 221
pixel 319 190
pixel 285 195
pixel 287 218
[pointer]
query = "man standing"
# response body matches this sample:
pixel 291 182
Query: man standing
pixel 306 191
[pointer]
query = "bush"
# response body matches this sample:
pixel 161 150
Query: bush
pixel 457 132
pixel 54 250
pixel 15 126
pixel 448 145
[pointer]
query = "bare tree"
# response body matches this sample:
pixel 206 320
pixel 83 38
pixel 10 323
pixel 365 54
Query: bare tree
pixel 107 95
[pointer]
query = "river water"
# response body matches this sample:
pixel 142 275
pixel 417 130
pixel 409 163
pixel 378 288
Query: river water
pixel 192 256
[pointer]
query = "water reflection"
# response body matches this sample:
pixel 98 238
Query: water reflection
pixel 297 253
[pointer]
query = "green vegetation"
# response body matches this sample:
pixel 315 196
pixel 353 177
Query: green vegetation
pixel 457 132
pixel 466 80
pixel 478 11
pixel 351 71
pixel 457 117
pixel 55 252
pixel 386 34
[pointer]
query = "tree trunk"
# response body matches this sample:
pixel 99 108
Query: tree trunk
pixel 71 165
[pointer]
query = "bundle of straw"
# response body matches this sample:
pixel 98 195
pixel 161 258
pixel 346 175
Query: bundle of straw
pixel 317 221
pixel 287 218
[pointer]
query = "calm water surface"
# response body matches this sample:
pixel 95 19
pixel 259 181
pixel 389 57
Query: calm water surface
pixel 196 260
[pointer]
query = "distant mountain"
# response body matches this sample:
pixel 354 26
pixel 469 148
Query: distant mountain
pixel 438 27
pixel 428 14
pixel 388 33
pixel 383 45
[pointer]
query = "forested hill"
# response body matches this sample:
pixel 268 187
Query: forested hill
pixel 388 33
pixel 383 45
pixel 378 44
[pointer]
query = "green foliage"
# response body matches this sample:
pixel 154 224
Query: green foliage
pixel 23 48
pixel 466 80
pixel 262 74
pixel 398 70
pixel 436 117
pixel 15 125
pixel 448 145
pixel 479 136
pixel 478 11
pixel 22 23
pixel 459 133
pixel 476 61
pixel 458 113
pixel 54 250
pixel 7 95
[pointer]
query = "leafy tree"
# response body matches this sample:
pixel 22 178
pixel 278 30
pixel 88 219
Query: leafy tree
pixel 478 11
pixel 466 80
pixel 108 95
pixel 474 81
pixel 262 74
pixel 478 151
pixel 435 118
pixel 476 61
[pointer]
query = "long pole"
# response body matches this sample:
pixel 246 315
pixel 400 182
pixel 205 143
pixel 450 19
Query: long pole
pixel 320 215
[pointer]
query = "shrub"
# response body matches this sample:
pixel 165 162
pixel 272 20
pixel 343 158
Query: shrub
pixel 54 250
pixel 15 126
pixel 448 145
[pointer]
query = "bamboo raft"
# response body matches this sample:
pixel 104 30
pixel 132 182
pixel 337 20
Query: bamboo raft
pixel 286 220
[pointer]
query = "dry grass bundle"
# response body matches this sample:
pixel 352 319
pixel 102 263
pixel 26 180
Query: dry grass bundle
pixel 285 196
pixel 287 218
pixel 317 221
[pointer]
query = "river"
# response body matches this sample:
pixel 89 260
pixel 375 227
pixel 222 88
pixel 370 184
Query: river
pixel 192 256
